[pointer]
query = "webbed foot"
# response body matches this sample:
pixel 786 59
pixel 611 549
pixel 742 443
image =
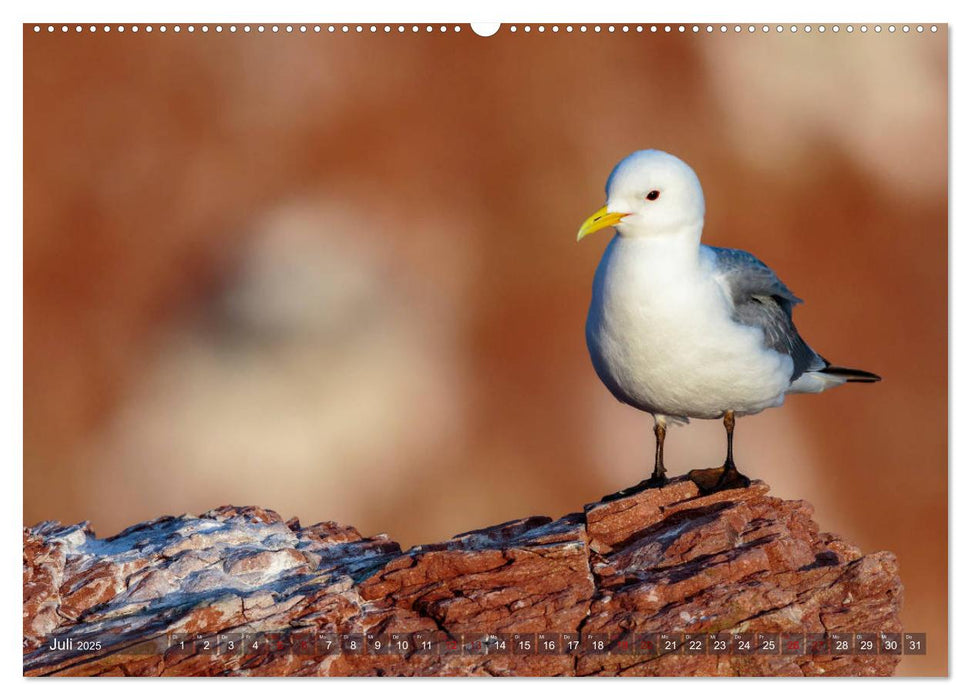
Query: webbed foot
pixel 655 482
pixel 718 479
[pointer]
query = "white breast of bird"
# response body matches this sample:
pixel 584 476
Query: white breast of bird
pixel 660 336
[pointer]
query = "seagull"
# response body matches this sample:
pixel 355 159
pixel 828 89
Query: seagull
pixel 683 330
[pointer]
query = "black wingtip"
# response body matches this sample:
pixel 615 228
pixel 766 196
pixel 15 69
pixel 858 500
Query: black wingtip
pixel 851 375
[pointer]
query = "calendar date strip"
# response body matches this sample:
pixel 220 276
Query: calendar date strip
pixel 318 644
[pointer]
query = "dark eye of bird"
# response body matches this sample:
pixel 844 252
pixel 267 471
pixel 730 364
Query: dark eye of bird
pixel 653 194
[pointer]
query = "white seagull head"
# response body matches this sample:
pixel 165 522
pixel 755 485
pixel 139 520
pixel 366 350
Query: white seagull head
pixel 650 193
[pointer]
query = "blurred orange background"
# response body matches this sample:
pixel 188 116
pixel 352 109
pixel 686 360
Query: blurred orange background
pixel 336 274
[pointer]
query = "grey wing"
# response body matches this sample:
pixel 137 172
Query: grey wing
pixel 762 300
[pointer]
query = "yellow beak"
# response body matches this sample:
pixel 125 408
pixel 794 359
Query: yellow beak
pixel 598 220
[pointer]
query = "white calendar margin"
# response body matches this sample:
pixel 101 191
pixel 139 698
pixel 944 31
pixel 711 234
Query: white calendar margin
pixel 436 11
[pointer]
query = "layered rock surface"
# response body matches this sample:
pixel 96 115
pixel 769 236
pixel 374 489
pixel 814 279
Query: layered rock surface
pixel 664 560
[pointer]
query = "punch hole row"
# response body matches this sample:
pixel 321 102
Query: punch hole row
pixel 428 28
pixel 252 28
pixel 720 28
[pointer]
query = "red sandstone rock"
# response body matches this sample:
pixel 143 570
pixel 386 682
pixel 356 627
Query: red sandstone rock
pixel 665 560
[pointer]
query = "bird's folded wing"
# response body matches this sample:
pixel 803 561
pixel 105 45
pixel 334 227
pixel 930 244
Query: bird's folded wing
pixel 762 300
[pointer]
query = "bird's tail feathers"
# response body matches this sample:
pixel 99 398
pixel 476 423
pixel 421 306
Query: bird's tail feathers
pixel 851 375
pixel 830 376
